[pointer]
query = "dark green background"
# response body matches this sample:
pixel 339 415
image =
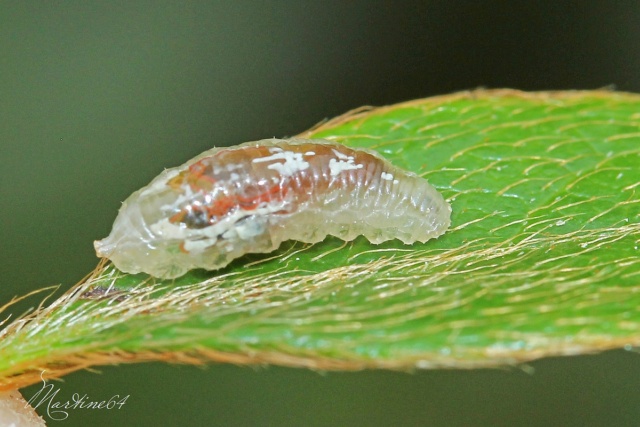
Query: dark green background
pixel 97 97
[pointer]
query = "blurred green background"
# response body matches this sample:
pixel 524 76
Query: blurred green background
pixel 97 97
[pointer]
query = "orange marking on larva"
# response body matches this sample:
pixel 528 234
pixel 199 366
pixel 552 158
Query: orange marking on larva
pixel 179 217
pixel 198 178
pixel 224 205
pixel 195 176
pixel 221 207
pixel 275 192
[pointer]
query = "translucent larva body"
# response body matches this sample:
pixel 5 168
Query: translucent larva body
pixel 250 198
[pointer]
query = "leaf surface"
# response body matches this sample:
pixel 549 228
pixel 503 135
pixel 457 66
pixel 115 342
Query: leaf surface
pixel 542 258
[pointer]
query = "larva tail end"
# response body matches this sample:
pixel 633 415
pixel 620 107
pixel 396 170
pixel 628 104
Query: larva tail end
pixel 104 248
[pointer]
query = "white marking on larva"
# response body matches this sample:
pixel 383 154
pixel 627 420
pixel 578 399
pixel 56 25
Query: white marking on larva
pixel 197 240
pixel 310 153
pixel 169 230
pixel 337 166
pixel 234 166
pixel 293 162
pixel 386 176
pixel 234 176
pixel 198 246
pixel 188 196
pixel 229 168
pixel 340 155
pixel 395 181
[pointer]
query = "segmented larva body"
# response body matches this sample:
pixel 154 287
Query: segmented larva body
pixel 250 198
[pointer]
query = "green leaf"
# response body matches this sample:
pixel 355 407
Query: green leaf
pixel 542 258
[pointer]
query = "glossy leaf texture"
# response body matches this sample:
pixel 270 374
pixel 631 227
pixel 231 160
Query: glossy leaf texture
pixel 542 258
